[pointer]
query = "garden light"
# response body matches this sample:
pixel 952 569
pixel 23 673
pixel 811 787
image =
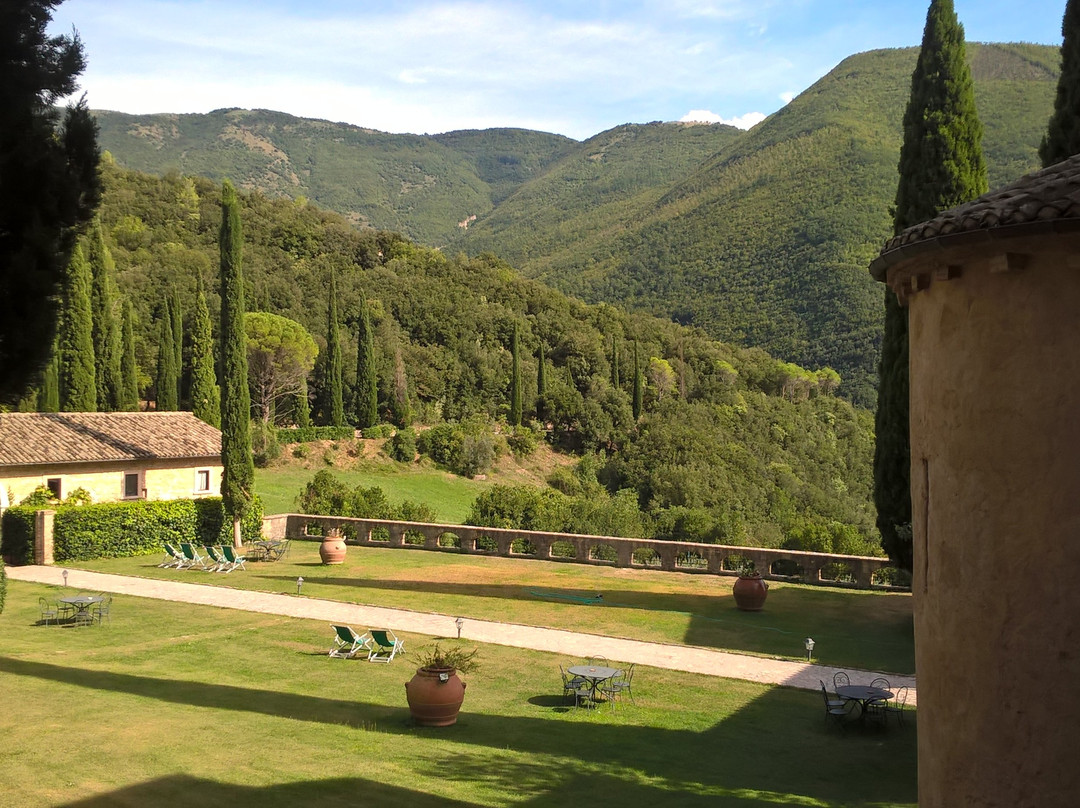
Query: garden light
pixel 809 643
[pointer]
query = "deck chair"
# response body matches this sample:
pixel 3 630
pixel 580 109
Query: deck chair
pixel 174 557
pixel 217 561
pixel 192 557
pixel 347 643
pixel 232 560
pixel 384 645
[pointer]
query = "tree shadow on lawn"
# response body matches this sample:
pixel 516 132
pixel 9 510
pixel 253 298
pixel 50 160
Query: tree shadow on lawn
pixel 834 618
pixel 776 743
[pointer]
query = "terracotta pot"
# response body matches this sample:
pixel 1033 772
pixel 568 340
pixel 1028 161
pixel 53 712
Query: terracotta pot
pixel 332 549
pixel 750 592
pixel 435 696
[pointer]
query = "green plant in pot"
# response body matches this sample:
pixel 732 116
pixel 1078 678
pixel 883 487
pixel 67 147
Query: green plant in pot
pixel 436 692
pixel 750 589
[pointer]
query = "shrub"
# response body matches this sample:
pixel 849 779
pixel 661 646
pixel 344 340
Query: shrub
pixel 402 447
pixel 300 451
pixel 380 431
pixel 40 497
pixel 523 441
pixel 17 532
pixel 264 443
pixel 313 433
pixel 3 585
pixel 409 511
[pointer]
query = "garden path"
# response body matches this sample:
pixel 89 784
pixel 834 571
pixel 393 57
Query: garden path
pixel 692 659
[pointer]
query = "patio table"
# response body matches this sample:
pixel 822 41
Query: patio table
pixel 863 694
pixel 593 674
pixel 82 604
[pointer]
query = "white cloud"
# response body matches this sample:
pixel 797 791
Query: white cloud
pixel 788 97
pixel 750 119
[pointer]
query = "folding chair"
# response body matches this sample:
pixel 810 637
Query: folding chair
pixel 173 557
pixel 384 645
pixel 192 557
pixel 219 562
pixel 347 643
pixel 232 560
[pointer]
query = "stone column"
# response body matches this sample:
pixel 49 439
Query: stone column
pixel 43 537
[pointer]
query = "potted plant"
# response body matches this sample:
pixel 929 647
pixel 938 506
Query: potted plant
pixel 750 589
pixel 332 549
pixel 436 692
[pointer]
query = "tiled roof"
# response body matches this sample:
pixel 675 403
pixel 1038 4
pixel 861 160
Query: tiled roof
pixel 1048 197
pixel 37 438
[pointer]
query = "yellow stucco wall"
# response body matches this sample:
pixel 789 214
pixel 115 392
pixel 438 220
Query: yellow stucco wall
pixel 158 479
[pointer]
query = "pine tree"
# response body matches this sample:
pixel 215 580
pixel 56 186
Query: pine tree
pixel 639 385
pixel 541 385
pixel 205 395
pixel 515 379
pixel 129 369
pixel 103 310
pixel 165 380
pixel 941 166
pixel 238 474
pixel 334 408
pixel 367 381
pixel 78 386
pixel 1062 139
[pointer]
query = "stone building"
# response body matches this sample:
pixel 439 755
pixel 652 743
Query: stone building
pixel 993 295
pixel 114 455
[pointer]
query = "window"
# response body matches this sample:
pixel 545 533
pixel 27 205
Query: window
pixel 202 481
pixel 131 485
pixel 53 484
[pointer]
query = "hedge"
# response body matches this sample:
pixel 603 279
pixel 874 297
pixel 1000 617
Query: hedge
pixel 118 529
pixel 309 433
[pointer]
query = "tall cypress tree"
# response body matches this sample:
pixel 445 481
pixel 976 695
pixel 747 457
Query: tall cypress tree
pixel 165 380
pixel 78 385
pixel 639 385
pixel 176 315
pixel 1062 139
pixel 616 380
pixel 515 379
pixel 205 395
pixel 103 310
pixel 334 408
pixel 238 474
pixel 129 369
pixel 302 411
pixel 49 394
pixel 941 166
pixel 541 385
pixel 367 381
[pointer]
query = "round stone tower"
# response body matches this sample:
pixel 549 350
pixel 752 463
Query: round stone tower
pixel 993 296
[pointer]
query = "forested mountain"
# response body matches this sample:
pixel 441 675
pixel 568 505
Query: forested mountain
pixel 729 444
pixel 767 243
pixel 418 185
pixel 759 238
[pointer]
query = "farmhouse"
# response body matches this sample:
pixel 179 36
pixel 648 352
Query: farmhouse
pixel 113 455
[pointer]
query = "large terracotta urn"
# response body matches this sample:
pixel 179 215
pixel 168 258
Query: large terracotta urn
pixel 435 696
pixel 750 592
pixel 332 549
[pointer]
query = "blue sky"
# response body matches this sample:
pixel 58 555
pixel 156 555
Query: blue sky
pixel 576 67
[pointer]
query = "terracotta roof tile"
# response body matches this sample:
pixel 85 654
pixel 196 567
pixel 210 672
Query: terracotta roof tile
pixel 1051 194
pixel 37 438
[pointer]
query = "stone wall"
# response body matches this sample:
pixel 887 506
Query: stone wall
pixel 607 551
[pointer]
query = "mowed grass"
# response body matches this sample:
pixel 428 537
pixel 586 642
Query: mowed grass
pixel 851 629
pixel 450 496
pixel 183 705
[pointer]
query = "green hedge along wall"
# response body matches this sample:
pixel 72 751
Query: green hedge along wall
pixel 118 529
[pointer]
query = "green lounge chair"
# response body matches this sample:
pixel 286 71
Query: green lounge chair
pixel 218 560
pixel 192 557
pixel 384 645
pixel 232 560
pixel 173 557
pixel 347 643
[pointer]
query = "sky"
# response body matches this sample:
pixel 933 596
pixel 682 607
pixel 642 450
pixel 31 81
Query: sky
pixel 573 67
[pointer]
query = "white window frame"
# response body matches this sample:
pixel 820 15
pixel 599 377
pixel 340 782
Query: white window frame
pixel 209 479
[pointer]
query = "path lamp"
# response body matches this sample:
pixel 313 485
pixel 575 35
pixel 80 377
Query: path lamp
pixel 459 622
pixel 299 583
pixel 809 643
pixel 65 578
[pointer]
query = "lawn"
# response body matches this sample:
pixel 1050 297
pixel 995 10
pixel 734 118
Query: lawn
pixel 852 629
pixel 182 705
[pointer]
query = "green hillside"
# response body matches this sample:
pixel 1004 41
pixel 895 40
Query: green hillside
pixel 767 242
pixel 417 185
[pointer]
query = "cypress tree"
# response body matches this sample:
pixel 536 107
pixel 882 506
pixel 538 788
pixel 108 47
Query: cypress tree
pixel 205 395
pixel 639 385
pixel 541 385
pixel 176 315
pixel 515 379
pixel 129 369
pixel 334 409
pixel 941 166
pixel 401 410
pixel 238 475
pixel 103 310
pixel 367 382
pixel 302 412
pixel 1062 138
pixel 78 385
pixel 165 380
pixel 49 394
pixel 616 380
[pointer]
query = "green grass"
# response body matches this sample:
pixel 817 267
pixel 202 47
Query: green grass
pixel 184 705
pixel 857 629
pixel 451 496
